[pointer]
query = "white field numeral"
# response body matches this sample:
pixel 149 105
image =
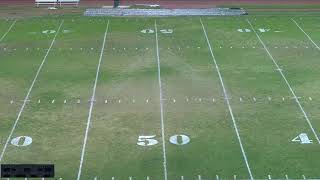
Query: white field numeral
pixel 147 140
pixel 21 141
pixel 178 139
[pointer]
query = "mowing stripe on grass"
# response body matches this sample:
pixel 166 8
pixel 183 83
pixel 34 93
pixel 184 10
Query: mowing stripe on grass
pixel 92 102
pixel 287 83
pixel 161 106
pixel 29 91
pixel 306 34
pixel 226 97
pixel 5 34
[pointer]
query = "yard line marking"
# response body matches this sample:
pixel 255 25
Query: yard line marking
pixel 161 105
pixel 287 83
pixel 286 176
pixel 306 34
pixel 91 103
pixel 226 97
pixel 217 177
pixel 29 91
pixel 5 34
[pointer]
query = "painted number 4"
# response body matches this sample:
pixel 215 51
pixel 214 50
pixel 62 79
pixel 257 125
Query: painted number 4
pixel 178 139
pixel 302 139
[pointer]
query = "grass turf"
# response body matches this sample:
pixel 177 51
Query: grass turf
pixel 187 72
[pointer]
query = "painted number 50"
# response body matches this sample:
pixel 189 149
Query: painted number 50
pixel 178 139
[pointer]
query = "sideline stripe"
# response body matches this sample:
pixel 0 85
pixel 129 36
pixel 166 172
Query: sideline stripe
pixel 5 34
pixel 287 83
pixel 92 102
pixel 29 91
pixel 226 97
pixel 306 34
pixel 161 105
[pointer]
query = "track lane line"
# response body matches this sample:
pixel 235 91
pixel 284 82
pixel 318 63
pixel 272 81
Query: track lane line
pixel 226 97
pixel 92 103
pixel 287 83
pixel 29 91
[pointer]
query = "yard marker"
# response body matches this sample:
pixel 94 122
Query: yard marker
pixel 306 34
pixel 226 96
pixel 303 176
pixel 5 34
pixel 269 176
pixel 29 91
pixel 182 178
pixel 286 176
pixel 91 104
pixel 287 83
pixel 199 177
pixel 217 177
pixel 161 105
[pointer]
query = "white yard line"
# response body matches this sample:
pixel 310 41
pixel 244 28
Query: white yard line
pixel 226 97
pixel 161 106
pixel 29 91
pixel 287 83
pixel 5 34
pixel 92 103
pixel 306 34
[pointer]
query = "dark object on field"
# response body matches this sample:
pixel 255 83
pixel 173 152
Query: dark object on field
pixel 27 170
pixel 116 3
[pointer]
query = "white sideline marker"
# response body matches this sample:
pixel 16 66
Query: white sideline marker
pixel 91 103
pixel 28 93
pixel 161 105
pixel 5 34
pixel 287 83
pixel 306 34
pixel 228 103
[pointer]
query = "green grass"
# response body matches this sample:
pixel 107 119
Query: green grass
pixel 129 72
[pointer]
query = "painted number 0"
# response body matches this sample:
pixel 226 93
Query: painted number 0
pixel 178 139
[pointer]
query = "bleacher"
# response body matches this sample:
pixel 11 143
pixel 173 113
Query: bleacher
pixel 57 3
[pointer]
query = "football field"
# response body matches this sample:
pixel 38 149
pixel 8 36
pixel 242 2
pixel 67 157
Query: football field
pixel 184 98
